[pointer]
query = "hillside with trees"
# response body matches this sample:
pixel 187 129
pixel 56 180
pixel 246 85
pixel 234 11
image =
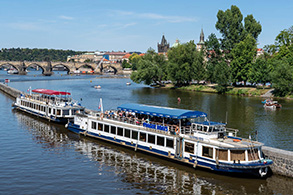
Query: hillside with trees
pixel 26 54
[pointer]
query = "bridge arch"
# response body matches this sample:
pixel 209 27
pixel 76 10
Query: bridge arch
pixel 62 65
pixel 106 68
pixel 85 66
pixel 35 64
pixel 9 64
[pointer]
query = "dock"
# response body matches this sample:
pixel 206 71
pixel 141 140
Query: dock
pixel 283 159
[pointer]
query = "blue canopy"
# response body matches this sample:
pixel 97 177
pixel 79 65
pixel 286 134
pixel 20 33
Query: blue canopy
pixel 161 111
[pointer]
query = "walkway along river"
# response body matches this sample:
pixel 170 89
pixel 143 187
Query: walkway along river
pixel 39 156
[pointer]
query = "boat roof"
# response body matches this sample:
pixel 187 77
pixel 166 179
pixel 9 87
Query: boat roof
pixel 161 111
pixel 50 92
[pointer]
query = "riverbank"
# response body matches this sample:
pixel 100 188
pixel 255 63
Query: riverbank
pixel 241 91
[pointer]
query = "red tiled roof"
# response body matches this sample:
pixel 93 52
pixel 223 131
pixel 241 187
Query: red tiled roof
pixel 127 55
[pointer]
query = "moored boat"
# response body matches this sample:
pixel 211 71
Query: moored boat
pixel 183 136
pixel 271 104
pixel 52 105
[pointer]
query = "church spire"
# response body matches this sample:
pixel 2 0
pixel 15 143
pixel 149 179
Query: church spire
pixel 201 37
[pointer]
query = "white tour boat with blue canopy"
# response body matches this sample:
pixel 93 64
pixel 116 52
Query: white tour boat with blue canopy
pixel 56 106
pixel 184 136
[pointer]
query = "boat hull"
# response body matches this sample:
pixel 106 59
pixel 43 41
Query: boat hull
pixel 253 169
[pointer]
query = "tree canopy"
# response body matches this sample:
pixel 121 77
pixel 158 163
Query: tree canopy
pixel 185 63
pixel 26 54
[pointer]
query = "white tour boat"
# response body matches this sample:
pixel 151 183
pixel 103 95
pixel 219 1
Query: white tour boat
pixel 183 136
pixel 53 105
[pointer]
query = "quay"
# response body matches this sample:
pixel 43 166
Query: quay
pixel 283 160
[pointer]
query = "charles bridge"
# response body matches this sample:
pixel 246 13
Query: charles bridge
pixel 71 67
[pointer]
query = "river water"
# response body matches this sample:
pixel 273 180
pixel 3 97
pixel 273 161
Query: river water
pixel 38 157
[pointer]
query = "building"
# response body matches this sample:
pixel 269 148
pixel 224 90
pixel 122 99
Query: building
pixel 201 43
pixel 163 47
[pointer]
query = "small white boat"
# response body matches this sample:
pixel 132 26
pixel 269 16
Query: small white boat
pixel 97 87
pixel 128 83
pixel 12 71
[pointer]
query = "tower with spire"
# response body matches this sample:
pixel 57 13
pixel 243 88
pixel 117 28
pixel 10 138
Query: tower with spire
pixel 200 44
pixel 163 46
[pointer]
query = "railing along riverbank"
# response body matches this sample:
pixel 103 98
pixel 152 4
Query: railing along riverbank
pixel 283 159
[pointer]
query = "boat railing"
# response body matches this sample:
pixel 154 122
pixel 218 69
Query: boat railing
pixel 51 100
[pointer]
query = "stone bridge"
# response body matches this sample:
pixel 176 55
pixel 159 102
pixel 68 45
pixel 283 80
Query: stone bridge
pixel 71 67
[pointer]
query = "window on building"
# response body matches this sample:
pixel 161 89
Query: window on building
pixel 151 138
pixel 170 143
pixel 142 137
pixel 189 147
pixel 207 151
pixel 160 141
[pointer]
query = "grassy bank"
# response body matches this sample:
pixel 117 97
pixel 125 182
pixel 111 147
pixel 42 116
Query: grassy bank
pixel 245 91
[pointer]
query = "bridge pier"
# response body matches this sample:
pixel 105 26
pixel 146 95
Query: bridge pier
pixel 48 73
pixel 22 72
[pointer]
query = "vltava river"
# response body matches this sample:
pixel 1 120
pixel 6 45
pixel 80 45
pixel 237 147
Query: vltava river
pixel 37 157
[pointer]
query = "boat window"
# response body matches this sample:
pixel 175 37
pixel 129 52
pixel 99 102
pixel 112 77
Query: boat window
pixel 106 128
pixel 199 127
pixel 94 125
pixel 253 154
pixel 151 138
pixel 160 141
pixel 237 155
pixel 189 147
pixel 113 129
pixel 58 112
pixel 54 111
pixel 205 128
pixel 207 151
pixel 170 143
pixel 100 126
pixel 222 154
pixel 134 134
pixel 142 136
pixel 50 110
pixel 120 131
pixel 127 133
pixel 65 112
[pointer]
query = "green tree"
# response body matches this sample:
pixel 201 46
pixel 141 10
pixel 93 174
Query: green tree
pixel 282 78
pixel 252 26
pixel 260 71
pixel 222 76
pixel 230 25
pixel 242 59
pixel 150 68
pixel 125 64
pixel 133 60
pixel 185 63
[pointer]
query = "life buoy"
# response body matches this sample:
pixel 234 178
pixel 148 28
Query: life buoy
pixel 263 171
pixel 177 131
pixel 102 115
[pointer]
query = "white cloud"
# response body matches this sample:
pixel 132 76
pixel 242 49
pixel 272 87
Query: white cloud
pixel 66 17
pixel 154 16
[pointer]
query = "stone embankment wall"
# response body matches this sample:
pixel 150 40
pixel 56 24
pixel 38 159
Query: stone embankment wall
pixel 9 90
pixel 283 160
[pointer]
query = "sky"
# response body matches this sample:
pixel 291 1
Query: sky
pixel 118 25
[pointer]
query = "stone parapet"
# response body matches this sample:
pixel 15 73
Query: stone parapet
pixel 283 160
pixel 9 90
